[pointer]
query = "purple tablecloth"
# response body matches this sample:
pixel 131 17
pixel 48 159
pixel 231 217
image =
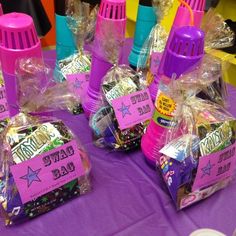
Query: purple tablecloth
pixel 128 198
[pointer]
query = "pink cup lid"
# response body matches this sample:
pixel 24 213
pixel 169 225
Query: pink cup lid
pixel 196 5
pixel 17 31
pixel 113 9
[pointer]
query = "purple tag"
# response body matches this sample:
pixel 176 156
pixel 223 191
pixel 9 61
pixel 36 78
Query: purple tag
pixel 4 113
pixel 215 167
pixel 78 83
pixel 48 171
pixel 155 62
pixel 133 109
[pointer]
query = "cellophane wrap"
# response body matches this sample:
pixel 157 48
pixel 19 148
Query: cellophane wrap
pixel 109 40
pixel 155 44
pixel 35 81
pixel 218 34
pixel 198 157
pixel 204 81
pixel 119 81
pixel 42 162
pixel 4 112
pixel 81 20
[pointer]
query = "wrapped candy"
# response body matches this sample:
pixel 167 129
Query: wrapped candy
pixel 198 157
pixel 42 163
pixel 112 124
pixel 81 20
pixel 154 46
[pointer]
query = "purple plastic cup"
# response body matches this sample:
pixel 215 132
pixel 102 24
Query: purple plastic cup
pixel 18 40
pixel 99 69
pixel 112 13
pixel 185 50
pixel 182 18
pixel 153 87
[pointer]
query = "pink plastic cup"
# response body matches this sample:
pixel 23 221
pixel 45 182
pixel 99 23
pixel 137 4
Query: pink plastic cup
pixel 18 40
pixel 112 13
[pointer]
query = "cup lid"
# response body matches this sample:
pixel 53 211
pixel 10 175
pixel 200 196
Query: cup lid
pixel 206 232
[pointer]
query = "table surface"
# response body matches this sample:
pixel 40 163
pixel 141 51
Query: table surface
pixel 128 198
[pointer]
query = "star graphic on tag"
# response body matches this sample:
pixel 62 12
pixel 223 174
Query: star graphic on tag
pixel 125 110
pixel 31 176
pixel 207 169
pixel 78 84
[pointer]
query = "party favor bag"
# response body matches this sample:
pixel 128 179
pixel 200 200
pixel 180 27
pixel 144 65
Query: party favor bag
pixel 42 163
pixel 126 108
pixel 199 157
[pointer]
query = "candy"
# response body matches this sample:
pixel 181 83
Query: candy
pixel 214 137
pixel 118 82
pixel 28 142
pixel 75 64
pixel 42 162
pixel 199 155
pixel 122 88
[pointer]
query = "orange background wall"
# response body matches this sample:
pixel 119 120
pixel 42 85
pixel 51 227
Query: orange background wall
pixel 50 39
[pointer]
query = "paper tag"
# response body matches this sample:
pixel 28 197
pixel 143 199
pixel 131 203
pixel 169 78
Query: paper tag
pixel 165 108
pixel 133 109
pixel 78 83
pixel 47 171
pixel 179 148
pixel 215 167
pixel 34 143
pixel 4 113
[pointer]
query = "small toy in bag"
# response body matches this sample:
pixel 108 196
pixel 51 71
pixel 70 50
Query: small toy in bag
pixel 121 119
pixel 199 156
pixel 42 162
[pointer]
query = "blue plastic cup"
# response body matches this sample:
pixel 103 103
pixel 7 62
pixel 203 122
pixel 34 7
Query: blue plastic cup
pixel 146 19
